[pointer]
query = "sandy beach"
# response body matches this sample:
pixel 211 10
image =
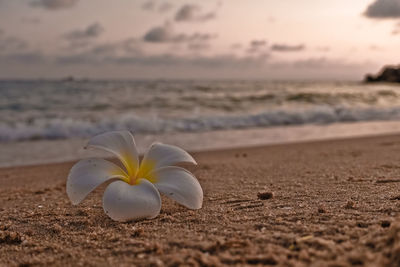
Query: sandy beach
pixel 290 108
pixel 325 203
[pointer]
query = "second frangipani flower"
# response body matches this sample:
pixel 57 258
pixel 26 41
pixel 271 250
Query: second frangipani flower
pixel 135 192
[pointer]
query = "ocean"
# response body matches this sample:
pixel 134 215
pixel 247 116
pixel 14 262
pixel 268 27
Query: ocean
pixel 39 113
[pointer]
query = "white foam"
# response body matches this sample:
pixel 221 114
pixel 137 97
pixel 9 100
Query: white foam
pixel 66 128
pixel 47 151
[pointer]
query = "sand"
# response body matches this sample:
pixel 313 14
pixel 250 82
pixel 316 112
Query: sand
pixel 330 203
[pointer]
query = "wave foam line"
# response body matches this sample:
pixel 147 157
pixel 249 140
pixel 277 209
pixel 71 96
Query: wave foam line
pixel 67 128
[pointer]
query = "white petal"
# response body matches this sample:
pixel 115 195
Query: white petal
pixel 123 202
pixel 162 155
pixel 122 145
pixel 87 174
pixel 180 185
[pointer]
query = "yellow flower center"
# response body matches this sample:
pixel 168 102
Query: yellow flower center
pixel 145 171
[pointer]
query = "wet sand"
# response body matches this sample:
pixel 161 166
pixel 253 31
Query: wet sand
pixel 329 203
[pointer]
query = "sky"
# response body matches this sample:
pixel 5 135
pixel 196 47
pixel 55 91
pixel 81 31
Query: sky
pixel 208 39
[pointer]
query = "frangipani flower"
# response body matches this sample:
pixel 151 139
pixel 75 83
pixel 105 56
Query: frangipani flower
pixel 134 192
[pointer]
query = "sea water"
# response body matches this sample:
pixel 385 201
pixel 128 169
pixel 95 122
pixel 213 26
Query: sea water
pixel 38 114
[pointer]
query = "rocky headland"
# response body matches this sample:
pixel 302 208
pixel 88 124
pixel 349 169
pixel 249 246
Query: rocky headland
pixel 387 74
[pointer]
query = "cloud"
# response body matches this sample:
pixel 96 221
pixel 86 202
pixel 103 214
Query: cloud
pixel 166 34
pixel 215 66
pixel 198 46
pixel 148 5
pixel 318 63
pixel 129 52
pixel 383 9
pixel 217 61
pixel 159 34
pixel 323 48
pixel 287 48
pixel 199 41
pixel 258 43
pixel 78 48
pixel 256 46
pixel 130 46
pixel 161 7
pixel 53 4
pixel 92 31
pixel 124 59
pixel 16 50
pixel 31 57
pixel 320 68
pixel 196 37
pixel 10 44
pixel 192 13
pixel 99 52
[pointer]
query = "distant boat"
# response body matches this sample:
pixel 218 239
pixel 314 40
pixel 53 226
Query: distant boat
pixel 68 79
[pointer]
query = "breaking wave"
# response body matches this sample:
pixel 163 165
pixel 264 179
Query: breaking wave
pixel 62 128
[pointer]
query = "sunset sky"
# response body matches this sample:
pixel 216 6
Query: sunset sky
pixel 209 39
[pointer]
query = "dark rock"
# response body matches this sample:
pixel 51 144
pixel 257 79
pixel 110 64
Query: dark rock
pixel 389 74
pixel 265 195
pixel 385 223
pixel 321 209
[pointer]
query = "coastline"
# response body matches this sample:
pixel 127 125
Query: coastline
pixel 57 151
pixel 335 202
